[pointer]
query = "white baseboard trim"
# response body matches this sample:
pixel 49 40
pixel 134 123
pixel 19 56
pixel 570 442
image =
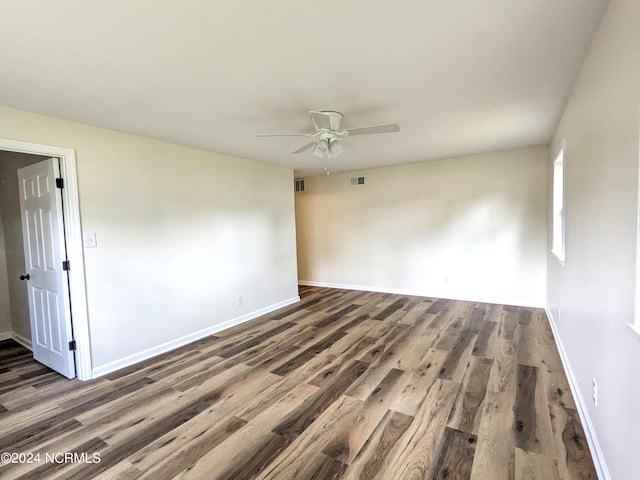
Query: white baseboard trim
pixel 399 291
pixel 179 342
pixel 589 431
pixel 25 342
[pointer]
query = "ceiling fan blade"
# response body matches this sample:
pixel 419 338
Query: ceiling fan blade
pixel 305 147
pixel 385 128
pixel 283 134
pixel 320 120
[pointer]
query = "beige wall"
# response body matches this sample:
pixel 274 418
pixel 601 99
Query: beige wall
pixel 181 233
pixel 10 162
pixel 592 296
pixel 470 228
pixel 5 305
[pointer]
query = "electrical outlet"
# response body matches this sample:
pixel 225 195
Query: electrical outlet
pixel 238 301
pixel 594 391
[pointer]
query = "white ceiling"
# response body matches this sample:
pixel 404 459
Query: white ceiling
pixel 458 76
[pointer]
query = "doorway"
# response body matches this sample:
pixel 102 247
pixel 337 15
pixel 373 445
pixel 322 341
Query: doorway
pixel 71 214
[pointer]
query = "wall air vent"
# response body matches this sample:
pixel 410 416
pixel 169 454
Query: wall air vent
pixel 298 185
pixel 357 181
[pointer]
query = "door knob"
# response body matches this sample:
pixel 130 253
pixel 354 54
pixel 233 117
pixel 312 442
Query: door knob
pixel 25 277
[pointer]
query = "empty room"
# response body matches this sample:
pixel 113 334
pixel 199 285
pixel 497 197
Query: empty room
pixel 306 240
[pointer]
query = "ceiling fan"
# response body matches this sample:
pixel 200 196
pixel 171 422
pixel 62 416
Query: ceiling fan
pixel 326 138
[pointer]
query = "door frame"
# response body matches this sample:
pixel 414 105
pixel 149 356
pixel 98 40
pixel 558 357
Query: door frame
pixel 75 253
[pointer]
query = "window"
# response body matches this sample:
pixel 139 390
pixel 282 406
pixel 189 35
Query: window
pixel 557 243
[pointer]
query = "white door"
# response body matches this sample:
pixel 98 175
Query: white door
pixel 44 253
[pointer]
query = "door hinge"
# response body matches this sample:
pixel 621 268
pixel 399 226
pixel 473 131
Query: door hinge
pixel 72 345
pixel 59 183
pixel 66 265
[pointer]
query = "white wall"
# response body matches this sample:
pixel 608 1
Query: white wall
pixel 479 221
pixel 181 232
pixel 591 297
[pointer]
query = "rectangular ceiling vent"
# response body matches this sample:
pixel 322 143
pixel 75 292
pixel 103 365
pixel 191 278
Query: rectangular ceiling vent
pixel 298 185
pixel 357 181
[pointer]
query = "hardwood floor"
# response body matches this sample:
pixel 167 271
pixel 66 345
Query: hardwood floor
pixel 343 384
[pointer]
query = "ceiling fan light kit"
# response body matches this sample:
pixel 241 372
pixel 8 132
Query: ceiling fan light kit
pixel 326 140
pixel 328 148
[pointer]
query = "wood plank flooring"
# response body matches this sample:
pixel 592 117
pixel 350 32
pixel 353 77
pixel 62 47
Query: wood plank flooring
pixel 343 384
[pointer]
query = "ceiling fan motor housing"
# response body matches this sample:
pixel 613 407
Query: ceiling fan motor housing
pixel 334 119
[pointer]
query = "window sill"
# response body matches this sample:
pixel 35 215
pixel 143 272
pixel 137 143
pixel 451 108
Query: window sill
pixel 635 327
pixel 559 257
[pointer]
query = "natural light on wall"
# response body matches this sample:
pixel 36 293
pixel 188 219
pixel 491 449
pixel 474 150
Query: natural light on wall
pixel 636 321
pixel 557 246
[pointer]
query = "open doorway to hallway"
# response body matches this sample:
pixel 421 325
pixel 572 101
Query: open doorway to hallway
pixel 14 308
pixel 64 160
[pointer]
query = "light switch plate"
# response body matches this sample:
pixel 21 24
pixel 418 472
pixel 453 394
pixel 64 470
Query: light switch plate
pixel 90 240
